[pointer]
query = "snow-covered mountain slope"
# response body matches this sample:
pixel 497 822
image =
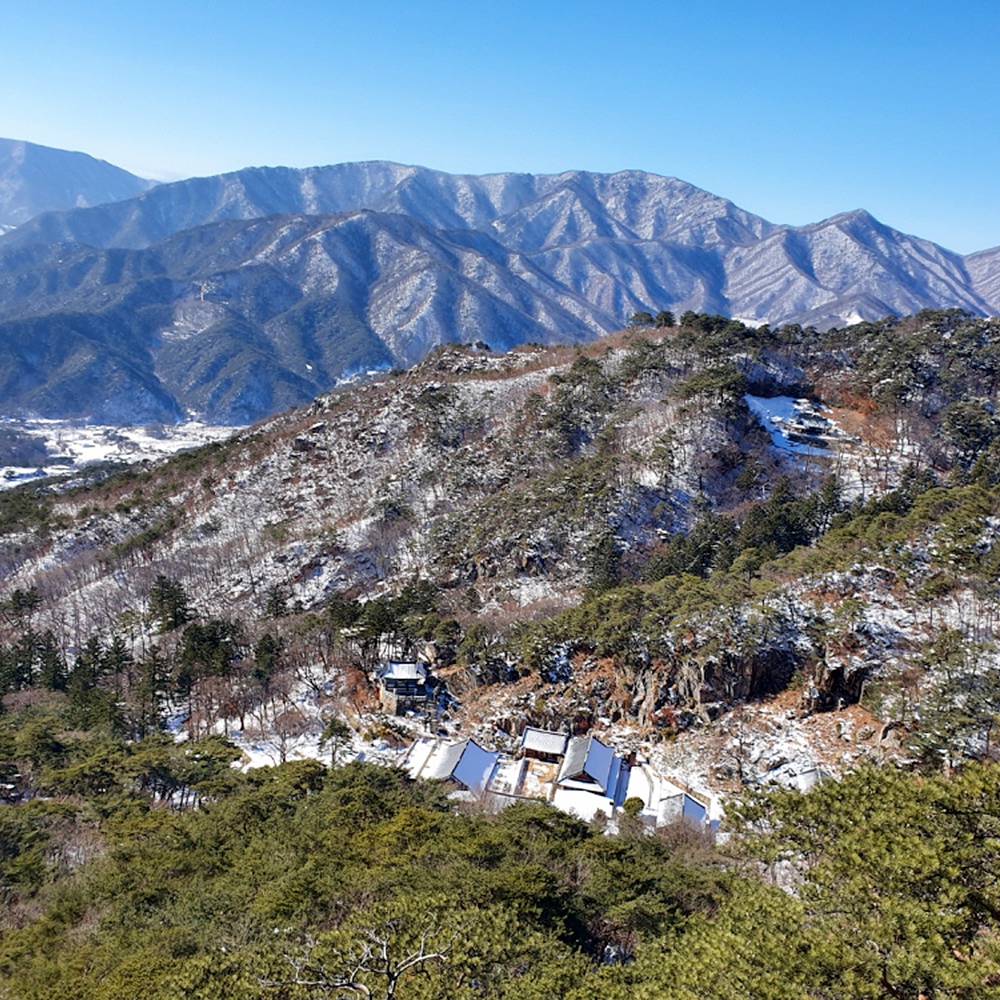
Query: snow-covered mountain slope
pixel 239 319
pixel 984 270
pixel 849 267
pixel 218 296
pixel 654 225
pixel 525 211
pixel 35 179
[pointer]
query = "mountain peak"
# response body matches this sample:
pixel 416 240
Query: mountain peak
pixel 36 179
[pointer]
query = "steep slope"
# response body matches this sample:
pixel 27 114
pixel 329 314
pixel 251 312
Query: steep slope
pixel 239 319
pixel 984 270
pixel 850 266
pixel 675 245
pixel 472 467
pixel 578 207
pixel 35 179
pixel 609 525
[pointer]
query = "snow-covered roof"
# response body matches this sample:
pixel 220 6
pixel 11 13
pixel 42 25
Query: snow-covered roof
pixel 694 810
pixel 777 414
pixel 507 777
pixel 589 756
pixel 805 779
pixel 419 753
pixel 465 762
pixel 585 805
pixel 682 805
pixel 669 809
pixel 544 741
pixel 592 778
pixel 403 671
pixel 576 758
pixel 443 760
pixel 475 767
pixel 618 781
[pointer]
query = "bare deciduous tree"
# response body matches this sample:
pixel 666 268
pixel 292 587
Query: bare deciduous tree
pixel 370 961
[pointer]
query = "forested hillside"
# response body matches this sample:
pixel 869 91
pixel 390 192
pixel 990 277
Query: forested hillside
pixel 606 539
pixel 299 882
pixel 620 501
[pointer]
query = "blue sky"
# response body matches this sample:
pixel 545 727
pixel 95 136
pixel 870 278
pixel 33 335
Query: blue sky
pixel 793 110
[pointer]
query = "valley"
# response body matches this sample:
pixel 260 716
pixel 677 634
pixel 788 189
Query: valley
pixel 68 448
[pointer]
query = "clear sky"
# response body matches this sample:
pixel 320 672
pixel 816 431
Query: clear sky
pixel 793 110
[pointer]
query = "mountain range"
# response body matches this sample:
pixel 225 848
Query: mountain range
pixel 36 179
pixel 234 296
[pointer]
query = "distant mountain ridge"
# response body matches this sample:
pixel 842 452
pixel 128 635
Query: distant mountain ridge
pixel 35 179
pixel 523 211
pixel 236 295
pixel 242 318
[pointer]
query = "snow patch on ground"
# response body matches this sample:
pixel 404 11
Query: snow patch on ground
pixel 782 416
pixel 288 727
pixel 526 591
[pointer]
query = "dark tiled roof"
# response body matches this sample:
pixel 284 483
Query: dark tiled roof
pixel 588 755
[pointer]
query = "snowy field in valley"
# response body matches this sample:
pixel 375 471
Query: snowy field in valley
pixel 73 445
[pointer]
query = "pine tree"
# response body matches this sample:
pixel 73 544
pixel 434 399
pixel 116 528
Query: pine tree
pixel 168 604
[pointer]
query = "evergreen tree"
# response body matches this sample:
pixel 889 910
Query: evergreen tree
pixel 275 604
pixel 336 735
pixel 168 604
